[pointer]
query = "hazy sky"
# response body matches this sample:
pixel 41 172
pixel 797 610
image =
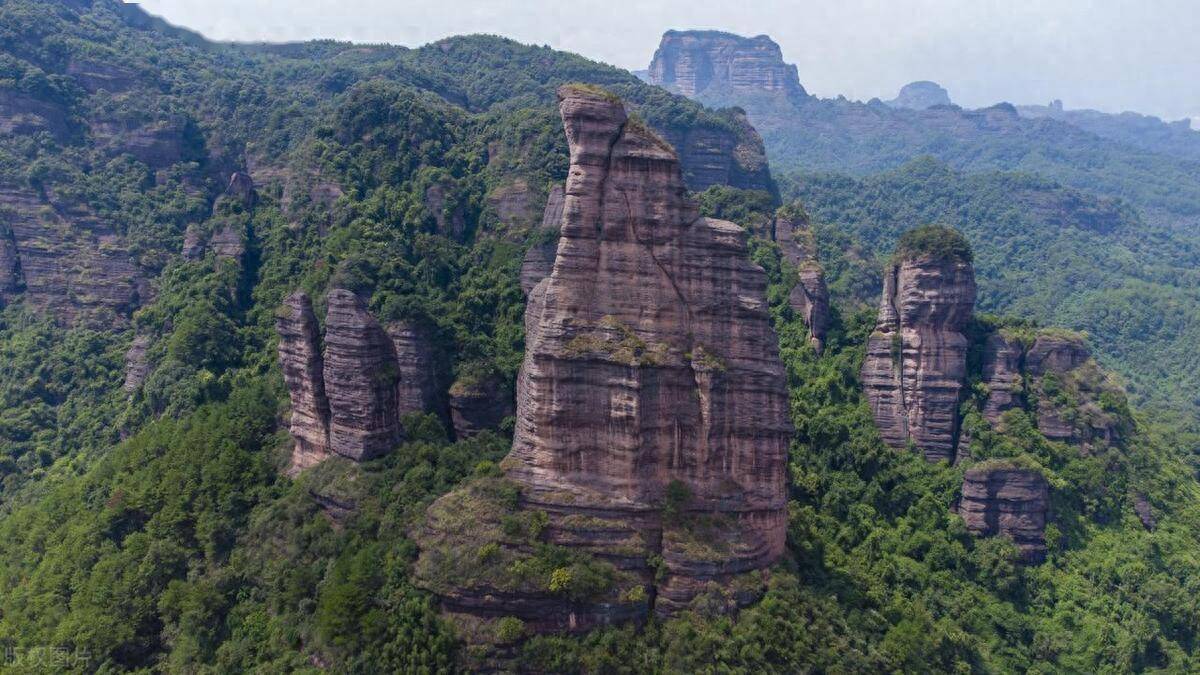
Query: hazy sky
pixel 1111 55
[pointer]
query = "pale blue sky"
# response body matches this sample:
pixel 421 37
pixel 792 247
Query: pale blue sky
pixel 1112 55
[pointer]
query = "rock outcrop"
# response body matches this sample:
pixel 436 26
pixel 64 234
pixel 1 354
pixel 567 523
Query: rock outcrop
pixel 1002 366
pixel 652 412
pixel 809 298
pixel 360 380
pixel 693 63
pixel 303 367
pixel 137 363
pixel 348 398
pixel 64 260
pixel 915 371
pixel 921 95
pixel 479 404
pixel 712 155
pixel 1007 501
pixel 417 389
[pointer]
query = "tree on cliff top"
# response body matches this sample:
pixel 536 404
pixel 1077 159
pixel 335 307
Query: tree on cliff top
pixel 937 241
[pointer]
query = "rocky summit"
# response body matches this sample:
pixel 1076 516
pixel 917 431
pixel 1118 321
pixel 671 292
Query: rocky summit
pixel 692 63
pixel 651 406
pixel 921 95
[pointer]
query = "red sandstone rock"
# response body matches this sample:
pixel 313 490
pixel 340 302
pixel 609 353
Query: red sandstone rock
pixel 303 371
pixel 1010 502
pixel 652 411
pixel 915 369
pixel 1002 359
pixel 698 62
pixel 360 380
pixel 476 405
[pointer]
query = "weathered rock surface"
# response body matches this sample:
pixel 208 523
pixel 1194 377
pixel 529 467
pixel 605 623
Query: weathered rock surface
pixel 451 220
pixel 417 386
pixel 348 399
pixel 1055 354
pixel 513 205
pixel 303 368
pixel 21 114
pixel 810 297
pixel 915 370
pixel 1002 364
pixel 478 405
pixel 1141 506
pixel 1010 502
pixel 137 363
pixel 539 259
pixel 229 241
pixel 360 380
pixel 651 376
pixel 157 143
pixel 64 260
pixel 921 95
pixel 693 62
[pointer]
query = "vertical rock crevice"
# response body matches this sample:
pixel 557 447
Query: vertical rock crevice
pixel 652 413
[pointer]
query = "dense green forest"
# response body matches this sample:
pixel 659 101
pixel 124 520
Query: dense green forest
pixel 1044 252
pixel 155 531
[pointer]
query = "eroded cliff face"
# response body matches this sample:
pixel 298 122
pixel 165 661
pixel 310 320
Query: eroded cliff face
pixel 348 398
pixel 303 367
pixel 718 156
pixel 64 260
pixel 1003 357
pixel 1007 501
pixel 809 298
pixel 651 410
pixel 1056 379
pixel 692 63
pixel 915 371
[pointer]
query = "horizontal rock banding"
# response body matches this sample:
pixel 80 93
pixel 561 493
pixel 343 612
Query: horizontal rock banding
pixel 915 371
pixel 652 408
pixel 1009 502
pixel 349 397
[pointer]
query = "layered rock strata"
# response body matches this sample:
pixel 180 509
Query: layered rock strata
pixel 65 261
pixel 137 363
pixel 476 405
pixel 539 259
pixel 303 367
pixel 360 380
pixel 1002 367
pixel 712 155
pixel 348 398
pixel 1010 502
pixel 915 371
pixel 692 63
pixel 652 416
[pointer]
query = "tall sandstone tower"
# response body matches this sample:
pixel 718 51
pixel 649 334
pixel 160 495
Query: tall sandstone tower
pixel 652 409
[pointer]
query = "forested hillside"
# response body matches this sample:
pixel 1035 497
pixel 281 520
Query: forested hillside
pixel 161 196
pixel 1045 252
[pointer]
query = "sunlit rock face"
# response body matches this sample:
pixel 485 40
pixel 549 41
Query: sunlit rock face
pixel 350 390
pixel 650 358
pixel 652 412
pixel 915 370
